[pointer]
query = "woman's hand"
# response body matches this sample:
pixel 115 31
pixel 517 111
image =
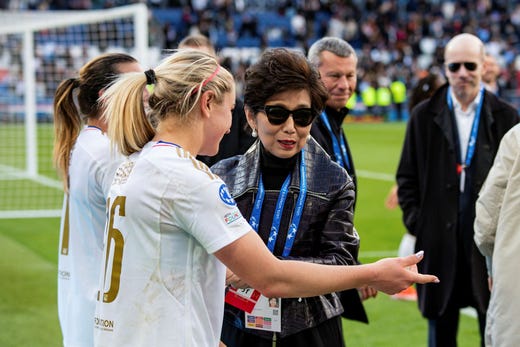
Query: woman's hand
pixel 234 280
pixel 396 274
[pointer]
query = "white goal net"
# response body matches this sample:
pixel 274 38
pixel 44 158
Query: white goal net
pixel 37 51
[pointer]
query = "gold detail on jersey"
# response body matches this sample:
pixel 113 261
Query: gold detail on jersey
pixel 114 236
pixel 203 167
pixel 180 152
pixel 122 173
pixel 64 249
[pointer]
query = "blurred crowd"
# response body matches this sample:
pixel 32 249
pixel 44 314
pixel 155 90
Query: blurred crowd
pixel 395 39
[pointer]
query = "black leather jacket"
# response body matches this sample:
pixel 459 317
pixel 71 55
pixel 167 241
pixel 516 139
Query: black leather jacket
pixel 325 235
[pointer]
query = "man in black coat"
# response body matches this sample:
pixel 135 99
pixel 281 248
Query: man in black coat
pixel 450 145
pixel 336 61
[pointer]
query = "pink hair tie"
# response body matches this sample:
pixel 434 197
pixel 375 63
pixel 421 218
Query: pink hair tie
pixel 207 80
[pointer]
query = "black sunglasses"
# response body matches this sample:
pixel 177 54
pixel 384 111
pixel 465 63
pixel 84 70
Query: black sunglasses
pixel 454 67
pixel 277 115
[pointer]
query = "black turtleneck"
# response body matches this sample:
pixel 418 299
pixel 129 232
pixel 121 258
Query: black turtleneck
pixel 275 170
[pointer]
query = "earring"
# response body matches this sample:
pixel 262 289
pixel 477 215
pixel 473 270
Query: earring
pixel 254 133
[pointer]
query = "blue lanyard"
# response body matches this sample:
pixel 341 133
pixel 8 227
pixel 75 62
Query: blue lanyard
pixel 339 147
pixel 298 210
pixel 474 127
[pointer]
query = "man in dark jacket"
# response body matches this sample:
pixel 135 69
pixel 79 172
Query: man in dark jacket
pixel 336 61
pixel 450 144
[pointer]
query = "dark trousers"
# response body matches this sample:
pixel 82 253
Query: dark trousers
pixel 326 334
pixel 442 332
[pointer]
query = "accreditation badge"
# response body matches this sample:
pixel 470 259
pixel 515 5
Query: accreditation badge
pixel 244 299
pixel 266 315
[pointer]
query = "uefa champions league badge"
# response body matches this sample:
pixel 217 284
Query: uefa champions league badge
pixel 225 196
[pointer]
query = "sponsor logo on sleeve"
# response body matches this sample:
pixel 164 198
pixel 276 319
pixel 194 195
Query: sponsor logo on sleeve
pixel 231 217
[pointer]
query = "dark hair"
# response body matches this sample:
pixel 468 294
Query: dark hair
pixel 425 88
pixel 279 70
pixel 93 77
pixel 96 76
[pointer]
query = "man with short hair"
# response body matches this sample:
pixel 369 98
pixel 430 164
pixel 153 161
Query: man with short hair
pixel 336 62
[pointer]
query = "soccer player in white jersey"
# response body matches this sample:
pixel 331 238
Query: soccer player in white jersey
pixel 83 157
pixel 173 227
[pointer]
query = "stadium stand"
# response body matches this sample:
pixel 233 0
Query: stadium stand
pixel 393 38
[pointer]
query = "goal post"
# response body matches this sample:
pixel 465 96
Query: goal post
pixel 39 49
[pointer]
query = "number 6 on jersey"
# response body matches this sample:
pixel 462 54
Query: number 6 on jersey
pixel 114 251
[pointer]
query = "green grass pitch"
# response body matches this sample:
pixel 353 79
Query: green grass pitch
pixel 28 256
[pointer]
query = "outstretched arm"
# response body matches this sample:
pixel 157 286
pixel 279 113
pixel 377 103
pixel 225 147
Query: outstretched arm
pixel 250 260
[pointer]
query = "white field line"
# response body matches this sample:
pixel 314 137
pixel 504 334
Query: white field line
pixel 381 177
pixel 25 214
pixel 376 175
pixel 10 173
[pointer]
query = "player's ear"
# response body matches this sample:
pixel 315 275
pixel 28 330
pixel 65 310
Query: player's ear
pixel 206 103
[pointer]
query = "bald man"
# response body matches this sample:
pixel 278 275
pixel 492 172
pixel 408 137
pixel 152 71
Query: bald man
pixel 449 147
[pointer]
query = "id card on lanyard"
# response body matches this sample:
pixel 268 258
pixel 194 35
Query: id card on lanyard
pixel 462 165
pixel 264 315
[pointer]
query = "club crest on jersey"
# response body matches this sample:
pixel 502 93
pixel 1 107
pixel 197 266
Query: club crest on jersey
pixel 225 196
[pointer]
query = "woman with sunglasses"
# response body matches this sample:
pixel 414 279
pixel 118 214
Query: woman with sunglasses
pixel 295 197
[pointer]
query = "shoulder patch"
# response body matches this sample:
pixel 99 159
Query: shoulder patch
pixel 225 196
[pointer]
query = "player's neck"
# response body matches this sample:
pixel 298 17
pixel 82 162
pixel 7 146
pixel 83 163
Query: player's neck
pixel 181 134
pixel 98 123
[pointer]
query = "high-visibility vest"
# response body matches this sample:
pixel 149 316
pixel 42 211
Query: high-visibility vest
pixel 383 96
pixel 351 102
pixel 368 96
pixel 398 89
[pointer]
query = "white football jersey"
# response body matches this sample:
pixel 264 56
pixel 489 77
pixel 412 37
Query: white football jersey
pixel 91 169
pixel 161 284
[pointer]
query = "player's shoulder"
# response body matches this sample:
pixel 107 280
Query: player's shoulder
pixel 94 143
pixel 174 160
